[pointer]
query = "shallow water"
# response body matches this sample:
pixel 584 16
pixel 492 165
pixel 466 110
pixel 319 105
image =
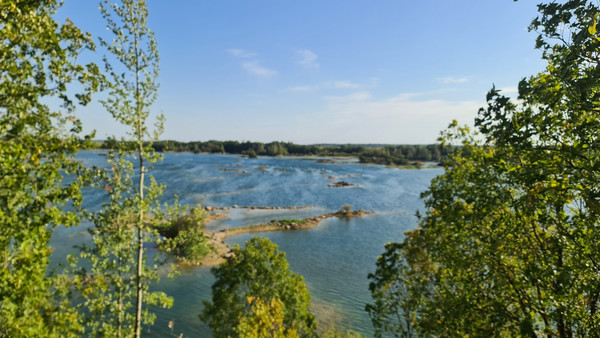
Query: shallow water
pixel 334 257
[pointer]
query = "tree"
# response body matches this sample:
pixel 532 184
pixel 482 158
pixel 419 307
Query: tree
pixel 264 320
pixel 255 285
pixel 117 286
pixel 37 142
pixel 508 244
pixel 108 285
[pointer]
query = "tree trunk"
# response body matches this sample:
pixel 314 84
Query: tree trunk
pixel 140 262
pixel 140 136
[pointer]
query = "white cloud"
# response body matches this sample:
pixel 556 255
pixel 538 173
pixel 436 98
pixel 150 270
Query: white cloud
pixel 303 88
pixel 326 85
pixel 509 90
pixel 254 68
pixel 250 63
pixel 452 80
pixel 241 53
pixel 307 58
pixel 404 118
pixel 358 96
pixel 344 85
pixel 361 117
pixel 406 105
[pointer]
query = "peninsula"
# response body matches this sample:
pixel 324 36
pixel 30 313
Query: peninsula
pixel 221 250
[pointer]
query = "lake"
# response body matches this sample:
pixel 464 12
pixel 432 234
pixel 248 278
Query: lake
pixel 334 258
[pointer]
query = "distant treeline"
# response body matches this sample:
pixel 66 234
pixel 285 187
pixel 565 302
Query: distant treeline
pixel 379 154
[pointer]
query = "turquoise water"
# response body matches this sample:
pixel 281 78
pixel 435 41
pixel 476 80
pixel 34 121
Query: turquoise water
pixel 334 258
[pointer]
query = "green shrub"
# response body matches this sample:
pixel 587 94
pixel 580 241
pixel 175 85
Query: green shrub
pixel 184 236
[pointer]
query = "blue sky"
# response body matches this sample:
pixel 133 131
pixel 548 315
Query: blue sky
pixel 326 71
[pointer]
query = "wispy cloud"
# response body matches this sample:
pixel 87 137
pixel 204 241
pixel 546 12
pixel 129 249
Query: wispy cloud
pixel 403 118
pixel 509 90
pixel 356 117
pixel 326 85
pixel 241 53
pixel 308 58
pixel 411 106
pixel 254 68
pixel 452 80
pixel 344 85
pixel 358 96
pixel 303 88
pixel 250 63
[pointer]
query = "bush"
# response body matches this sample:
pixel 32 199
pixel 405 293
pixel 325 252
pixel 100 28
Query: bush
pixel 345 210
pixel 184 236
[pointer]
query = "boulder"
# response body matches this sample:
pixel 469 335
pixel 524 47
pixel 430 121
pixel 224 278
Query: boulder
pixel 341 184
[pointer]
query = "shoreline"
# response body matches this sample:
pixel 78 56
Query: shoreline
pixel 221 250
pixel 328 159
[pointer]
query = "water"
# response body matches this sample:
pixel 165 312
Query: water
pixel 334 258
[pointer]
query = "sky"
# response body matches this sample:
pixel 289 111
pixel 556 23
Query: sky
pixel 325 71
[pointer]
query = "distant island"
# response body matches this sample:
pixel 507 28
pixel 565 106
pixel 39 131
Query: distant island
pixel 391 155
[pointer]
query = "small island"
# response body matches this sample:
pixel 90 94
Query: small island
pixel 215 240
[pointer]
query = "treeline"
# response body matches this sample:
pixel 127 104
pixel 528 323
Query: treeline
pixel 387 154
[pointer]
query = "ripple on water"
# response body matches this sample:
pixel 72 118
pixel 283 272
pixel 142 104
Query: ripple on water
pixel 334 257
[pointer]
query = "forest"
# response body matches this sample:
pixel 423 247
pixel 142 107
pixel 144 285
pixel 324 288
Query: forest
pixel 377 154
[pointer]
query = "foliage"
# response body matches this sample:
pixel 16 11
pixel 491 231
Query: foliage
pixel 345 210
pixel 251 154
pixel 37 143
pixel 250 276
pixel 335 332
pixel 288 221
pixel 264 320
pixel 117 285
pixel 508 244
pixel 378 154
pixel 109 286
pixel 184 236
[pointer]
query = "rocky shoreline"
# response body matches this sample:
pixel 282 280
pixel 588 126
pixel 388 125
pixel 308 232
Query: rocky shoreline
pixel 210 209
pixel 221 250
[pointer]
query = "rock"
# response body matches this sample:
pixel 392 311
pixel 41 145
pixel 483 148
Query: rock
pixel 234 206
pixel 341 184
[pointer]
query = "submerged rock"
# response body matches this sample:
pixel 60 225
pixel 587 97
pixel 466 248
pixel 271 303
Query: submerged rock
pixel 325 160
pixel 341 184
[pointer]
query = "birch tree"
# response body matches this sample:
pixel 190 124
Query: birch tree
pixel 120 277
